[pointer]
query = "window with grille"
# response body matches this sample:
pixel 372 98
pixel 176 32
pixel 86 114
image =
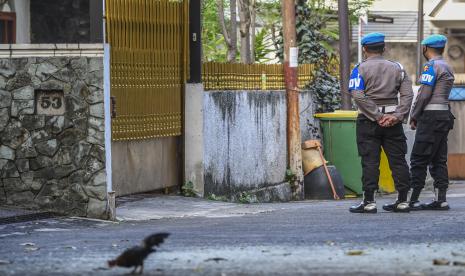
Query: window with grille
pixel 7 27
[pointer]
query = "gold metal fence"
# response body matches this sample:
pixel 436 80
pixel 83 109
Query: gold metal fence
pixel 148 44
pixel 237 76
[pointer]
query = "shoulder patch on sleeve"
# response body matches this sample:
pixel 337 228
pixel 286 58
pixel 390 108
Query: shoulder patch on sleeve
pixel 356 81
pixel 401 69
pixel 428 76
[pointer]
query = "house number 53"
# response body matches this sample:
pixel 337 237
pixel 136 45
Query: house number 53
pixel 54 102
pixel 50 102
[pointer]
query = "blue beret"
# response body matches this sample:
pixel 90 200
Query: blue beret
pixel 373 38
pixel 435 41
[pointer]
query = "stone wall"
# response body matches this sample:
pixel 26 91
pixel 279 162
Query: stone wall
pixel 53 163
pixel 245 142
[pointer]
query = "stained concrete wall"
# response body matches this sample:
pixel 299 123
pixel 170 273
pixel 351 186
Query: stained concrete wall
pixel 245 139
pixel 145 165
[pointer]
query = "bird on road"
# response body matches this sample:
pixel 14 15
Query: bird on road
pixel 135 256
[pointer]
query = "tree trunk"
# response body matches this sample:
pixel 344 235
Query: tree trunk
pixel 244 16
pixel 230 36
pixel 253 17
pixel 232 52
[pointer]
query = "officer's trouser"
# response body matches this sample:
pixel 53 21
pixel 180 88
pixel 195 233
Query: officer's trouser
pixel 370 138
pixel 430 148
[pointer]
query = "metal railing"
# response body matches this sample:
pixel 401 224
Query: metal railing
pixel 237 76
pixel 148 66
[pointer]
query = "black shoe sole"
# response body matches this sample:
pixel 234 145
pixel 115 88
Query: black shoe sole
pixel 436 209
pixel 389 209
pixel 414 209
pixel 426 207
pixel 395 210
pixel 363 211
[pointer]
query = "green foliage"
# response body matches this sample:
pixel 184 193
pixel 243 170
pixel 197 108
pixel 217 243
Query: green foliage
pixel 356 8
pixel 326 91
pixel 270 21
pixel 290 176
pixel 217 198
pixel 317 34
pixel 188 189
pixel 316 22
pixel 315 41
pixel 263 47
pixel 213 43
pixel 245 197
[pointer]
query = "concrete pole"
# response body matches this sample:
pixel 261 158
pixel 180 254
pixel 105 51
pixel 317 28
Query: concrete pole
pixel 359 36
pixel 344 62
pixel 419 38
pixel 195 41
pixel 292 96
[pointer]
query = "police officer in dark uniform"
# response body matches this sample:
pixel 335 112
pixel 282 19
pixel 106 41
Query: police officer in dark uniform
pixel 375 85
pixel 432 119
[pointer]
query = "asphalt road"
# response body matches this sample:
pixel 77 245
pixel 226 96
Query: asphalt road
pixel 300 238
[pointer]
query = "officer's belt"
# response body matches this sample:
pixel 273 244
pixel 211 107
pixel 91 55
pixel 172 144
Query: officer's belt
pixel 387 109
pixel 437 107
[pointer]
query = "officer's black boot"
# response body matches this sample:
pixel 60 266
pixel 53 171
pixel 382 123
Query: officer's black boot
pixel 415 204
pixel 368 205
pixel 401 205
pixel 439 203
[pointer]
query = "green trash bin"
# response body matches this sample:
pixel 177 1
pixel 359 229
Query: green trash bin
pixel 340 146
pixel 340 149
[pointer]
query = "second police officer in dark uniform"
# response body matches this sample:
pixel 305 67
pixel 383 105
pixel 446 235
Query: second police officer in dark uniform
pixel 375 85
pixel 432 119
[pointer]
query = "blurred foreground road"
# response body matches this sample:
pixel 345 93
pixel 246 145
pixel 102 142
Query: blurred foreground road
pixel 299 238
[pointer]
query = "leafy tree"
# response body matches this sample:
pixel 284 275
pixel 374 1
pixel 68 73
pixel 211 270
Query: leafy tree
pixel 316 27
pixel 229 33
pixel 264 47
pixel 213 42
pixel 317 33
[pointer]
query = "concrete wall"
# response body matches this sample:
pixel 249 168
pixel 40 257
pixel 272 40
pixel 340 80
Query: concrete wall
pixel 53 162
pixel 403 52
pixel 145 165
pixel 456 142
pixel 245 139
pixel 194 136
pixel 23 20
pixel 457 64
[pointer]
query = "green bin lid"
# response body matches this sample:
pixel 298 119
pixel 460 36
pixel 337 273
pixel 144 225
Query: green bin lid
pixel 338 114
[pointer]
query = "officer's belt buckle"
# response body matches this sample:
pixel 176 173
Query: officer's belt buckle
pixel 387 109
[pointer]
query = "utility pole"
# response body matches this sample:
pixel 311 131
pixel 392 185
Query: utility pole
pixel 344 62
pixel 419 38
pixel 292 96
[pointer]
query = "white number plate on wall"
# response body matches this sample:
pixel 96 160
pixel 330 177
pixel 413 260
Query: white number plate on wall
pixel 50 102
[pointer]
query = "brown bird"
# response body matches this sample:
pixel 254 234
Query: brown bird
pixel 135 256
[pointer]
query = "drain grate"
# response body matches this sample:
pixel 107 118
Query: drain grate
pixel 27 217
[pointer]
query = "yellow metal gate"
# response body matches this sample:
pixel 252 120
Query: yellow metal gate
pixel 148 44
